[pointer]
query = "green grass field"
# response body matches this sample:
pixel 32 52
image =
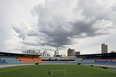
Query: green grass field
pixel 42 71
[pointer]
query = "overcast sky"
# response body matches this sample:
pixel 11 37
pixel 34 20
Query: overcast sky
pixel 50 24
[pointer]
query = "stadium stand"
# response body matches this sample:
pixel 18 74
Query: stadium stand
pixel 2 62
pixel 75 61
pixel 112 63
pixel 87 62
pixel 101 62
pixel 78 58
pixel 91 58
pixel 25 59
pixel 37 59
pixel 109 57
pixel 10 59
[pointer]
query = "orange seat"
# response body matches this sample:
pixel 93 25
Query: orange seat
pixel 25 59
pixel 37 59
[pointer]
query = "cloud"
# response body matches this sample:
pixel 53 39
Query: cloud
pixel 27 43
pixel 56 23
pixel 62 21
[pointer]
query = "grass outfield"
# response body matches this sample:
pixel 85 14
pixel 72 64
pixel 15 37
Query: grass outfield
pixel 42 71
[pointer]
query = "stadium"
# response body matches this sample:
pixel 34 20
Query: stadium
pixel 28 65
pixel 32 32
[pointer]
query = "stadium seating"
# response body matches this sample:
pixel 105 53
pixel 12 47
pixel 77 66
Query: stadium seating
pixel 96 60
pixel 112 63
pixel 110 57
pixel 105 59
pixel 19 59
pixel 87 62
pixel 2 62
pixel 25 59
pixel 10 59
pixel 75 61
pixel 5 59
pixel 101 62
pixel 91 58
pixel 78 58
pixel 37 59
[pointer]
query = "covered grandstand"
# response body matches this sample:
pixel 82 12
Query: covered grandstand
pixel 106 58
pixel 89 59
pixel 14 58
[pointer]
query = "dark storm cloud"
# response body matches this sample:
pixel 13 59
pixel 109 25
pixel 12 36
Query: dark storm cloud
pixel 59 22
pixel 21 34
pixel 61 37
pixel 60 32
pixel 82 27
pixel 32 44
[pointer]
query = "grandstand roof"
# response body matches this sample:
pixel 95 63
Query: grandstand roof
pixel 17 54
pixel 102 54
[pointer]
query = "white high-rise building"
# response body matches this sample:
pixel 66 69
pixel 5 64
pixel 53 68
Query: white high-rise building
pixel 45 53
pixel 41 54
pixel 104 48
pixel 38 53
pixel 28 51
pixel 56 52
pixel 71 52
pixel 34 52
pixel 48 55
